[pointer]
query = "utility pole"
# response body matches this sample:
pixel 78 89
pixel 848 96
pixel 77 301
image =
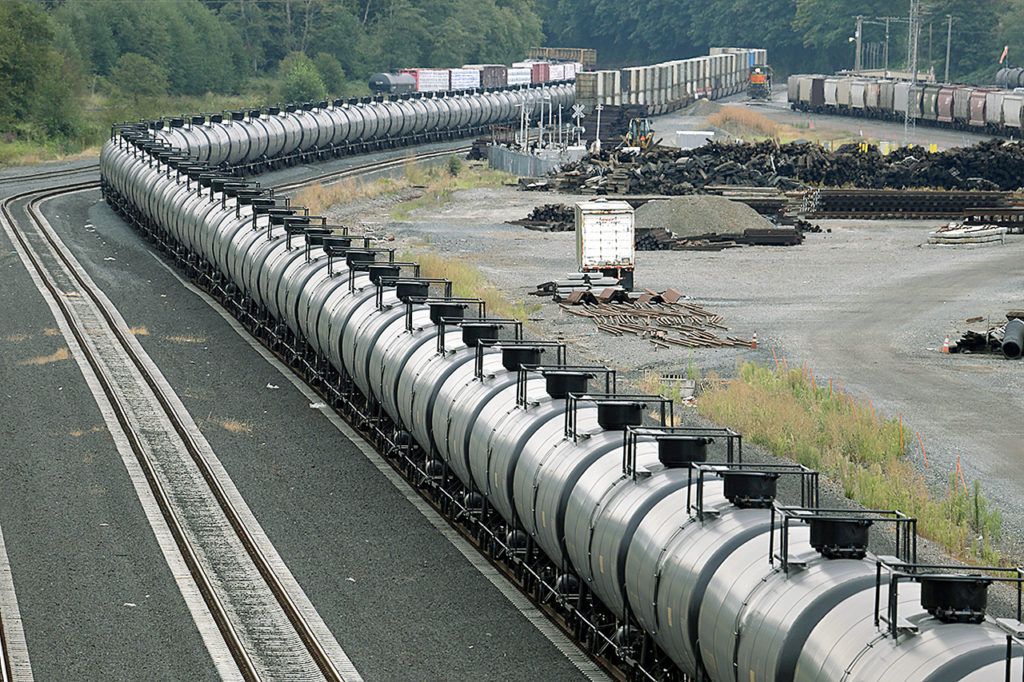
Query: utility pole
pixel 859 37
pixel 949 42
pixel 886 54
pixel 913 40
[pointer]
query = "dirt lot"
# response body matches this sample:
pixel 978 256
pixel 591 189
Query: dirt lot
pixel 867 304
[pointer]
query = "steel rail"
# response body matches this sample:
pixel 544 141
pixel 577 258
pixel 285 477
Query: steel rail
pixel 218 610
pixel 44 175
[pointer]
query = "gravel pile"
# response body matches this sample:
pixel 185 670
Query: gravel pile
pixel 695 215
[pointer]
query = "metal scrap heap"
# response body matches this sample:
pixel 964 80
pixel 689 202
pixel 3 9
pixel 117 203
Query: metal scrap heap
pixel 990 165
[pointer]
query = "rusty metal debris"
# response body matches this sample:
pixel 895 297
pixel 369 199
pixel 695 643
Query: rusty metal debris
pixel 663 323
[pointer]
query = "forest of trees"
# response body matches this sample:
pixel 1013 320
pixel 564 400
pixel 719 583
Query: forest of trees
pixel 68 68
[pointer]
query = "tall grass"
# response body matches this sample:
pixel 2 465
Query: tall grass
pixel 743 121
pixel 790 414
pixel 440 182
pixel 318 197
pixel 467 281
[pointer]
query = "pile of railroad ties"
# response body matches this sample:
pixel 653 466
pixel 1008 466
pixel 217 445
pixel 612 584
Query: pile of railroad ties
pixel 1007 338
pixel 663 318
pixel 990 165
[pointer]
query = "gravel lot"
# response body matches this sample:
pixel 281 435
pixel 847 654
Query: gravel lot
pixel 867 304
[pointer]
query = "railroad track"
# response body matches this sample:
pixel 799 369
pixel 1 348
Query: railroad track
pixel 93 321
pixel 46 175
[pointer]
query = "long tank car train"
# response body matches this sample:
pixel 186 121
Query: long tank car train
pixel 695 564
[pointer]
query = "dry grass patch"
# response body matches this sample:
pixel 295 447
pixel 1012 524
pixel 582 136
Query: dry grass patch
pixel 319 197
pixel 789 413
pixel 467 281
pixel 234 425
pixel 58 355
pixel 440 182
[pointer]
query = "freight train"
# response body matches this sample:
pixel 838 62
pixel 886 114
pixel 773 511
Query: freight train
pixel 473 77
pixel 261 139
pixel 661 88
pixel 986 110
pixel 690 563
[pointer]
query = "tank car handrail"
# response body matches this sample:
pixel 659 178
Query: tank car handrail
pixel 593 370
pixel 1010 641
pixel 808 482
pixel 517 342
pixel 899 570
pixel 454 300
pixel 386 281
pixel 631 434
pixel 446 321
pixel 573 400
pixel 906 528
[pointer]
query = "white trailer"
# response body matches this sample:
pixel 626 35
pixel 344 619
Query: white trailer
pixel 605 239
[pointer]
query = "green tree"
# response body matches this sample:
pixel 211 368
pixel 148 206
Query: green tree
pixel 299 81
pixel 331 72
pixel 136 76
pixel 35 80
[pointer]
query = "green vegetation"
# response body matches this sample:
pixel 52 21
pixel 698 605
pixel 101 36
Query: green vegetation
pixel 789 413
pixel 801 35
pixel 69 69
pixel 469 282
pixel 439 182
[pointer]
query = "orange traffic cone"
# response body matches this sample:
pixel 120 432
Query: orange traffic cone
pixel 945 345
pixel 753 341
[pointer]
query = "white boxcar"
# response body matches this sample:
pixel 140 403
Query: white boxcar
pixel 604 235
pixel 520 75
pixel 464 79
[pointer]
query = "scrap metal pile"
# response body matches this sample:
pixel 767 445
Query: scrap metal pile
pixel 990 165
pixel 1007 339
pixel 664 324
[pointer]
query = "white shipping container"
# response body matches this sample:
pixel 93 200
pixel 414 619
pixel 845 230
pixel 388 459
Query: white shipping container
pixel 464 79
pixel 604 235
pixel 519 75
pixel 556 72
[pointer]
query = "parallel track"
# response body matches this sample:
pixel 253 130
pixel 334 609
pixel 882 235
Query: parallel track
pixel 217 608
pixel 45 175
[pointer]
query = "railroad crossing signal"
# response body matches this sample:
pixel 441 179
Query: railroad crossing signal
pixel 577 116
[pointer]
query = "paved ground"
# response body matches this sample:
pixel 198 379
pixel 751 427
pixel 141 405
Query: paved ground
pixel 402 601
pixel 97 599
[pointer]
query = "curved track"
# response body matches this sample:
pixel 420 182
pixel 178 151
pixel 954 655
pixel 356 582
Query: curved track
pixel 192 554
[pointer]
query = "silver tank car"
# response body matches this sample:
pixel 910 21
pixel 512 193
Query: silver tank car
pixel 702 588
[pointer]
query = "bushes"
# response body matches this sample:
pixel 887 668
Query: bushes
pixel 299 80
pixel 136 76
